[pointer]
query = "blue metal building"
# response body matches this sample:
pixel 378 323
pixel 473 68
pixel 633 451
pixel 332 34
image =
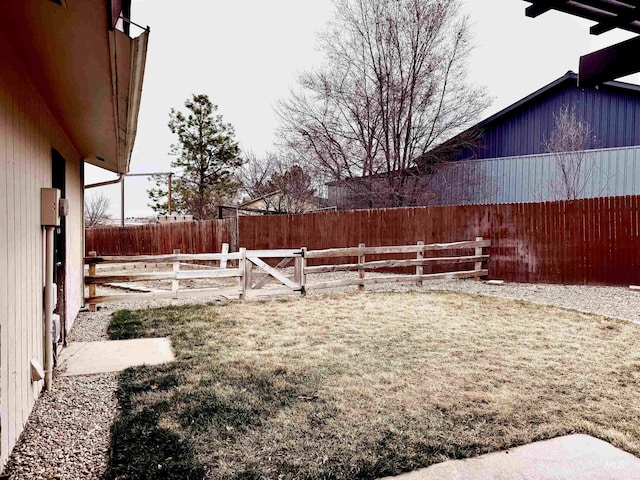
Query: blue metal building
pixel 509 162
pixel 612 111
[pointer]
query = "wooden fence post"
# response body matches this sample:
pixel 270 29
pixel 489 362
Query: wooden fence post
pixel 303 275
pixel 360 270
pixel 419 268
pixel 223 261
pixel 175 284
pixel 298 270
pixel 478 265
pixel 248 274
pixel 242 265
pixel 92 287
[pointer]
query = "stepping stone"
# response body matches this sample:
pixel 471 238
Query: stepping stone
pixel 572 457
pixel 86 358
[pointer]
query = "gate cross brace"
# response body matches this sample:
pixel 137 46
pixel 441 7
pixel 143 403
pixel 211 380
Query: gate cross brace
pixel 273 272
pixel 283 263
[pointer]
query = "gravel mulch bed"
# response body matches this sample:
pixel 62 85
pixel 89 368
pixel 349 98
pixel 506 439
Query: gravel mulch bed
pixel 616 302
pixel 67 436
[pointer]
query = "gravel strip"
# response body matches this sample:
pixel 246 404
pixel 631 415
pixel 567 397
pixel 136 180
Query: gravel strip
pixel 67 436
pixel 616 302
pixel 68 432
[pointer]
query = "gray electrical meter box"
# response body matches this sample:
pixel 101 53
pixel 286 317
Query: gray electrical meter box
pixel 49 207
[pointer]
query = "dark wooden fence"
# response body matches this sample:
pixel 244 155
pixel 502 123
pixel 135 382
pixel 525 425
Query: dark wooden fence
pixel 158 239
pixel 592 241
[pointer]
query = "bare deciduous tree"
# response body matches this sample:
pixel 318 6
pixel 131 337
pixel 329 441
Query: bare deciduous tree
pixel 393 86
pixel 283 184
pixel 255 173
pixel 574 165
pixel 96 209
pixel 296 192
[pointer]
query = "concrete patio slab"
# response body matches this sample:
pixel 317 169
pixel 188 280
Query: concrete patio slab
pixel 86 358
pixel 573 457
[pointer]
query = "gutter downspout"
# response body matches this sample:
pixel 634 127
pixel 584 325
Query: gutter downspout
pixel 108 182
pixel 119 180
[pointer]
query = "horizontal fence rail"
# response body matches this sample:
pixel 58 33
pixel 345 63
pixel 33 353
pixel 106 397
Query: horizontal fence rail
pixel 385 264
pixel 363 266
pixel 175 260
pixel 249 286
pixel 203 257
pixel 343 252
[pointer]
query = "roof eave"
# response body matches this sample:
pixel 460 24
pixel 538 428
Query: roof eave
pixel 138 63
pixel 91 87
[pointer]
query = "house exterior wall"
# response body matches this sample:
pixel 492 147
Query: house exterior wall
pixel 259 204
pixel 613 114
pixel 28 133
pixel 534 178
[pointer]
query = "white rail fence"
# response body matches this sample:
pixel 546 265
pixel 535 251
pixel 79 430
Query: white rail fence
pixel 250 270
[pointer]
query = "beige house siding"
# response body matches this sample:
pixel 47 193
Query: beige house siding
pixel 259 204
pixel 28 133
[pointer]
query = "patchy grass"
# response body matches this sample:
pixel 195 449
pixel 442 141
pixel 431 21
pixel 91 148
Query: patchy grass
pixel 367 385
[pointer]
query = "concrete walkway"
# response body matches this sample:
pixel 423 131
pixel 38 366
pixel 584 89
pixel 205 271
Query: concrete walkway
pixel 573 457
pixel 86 358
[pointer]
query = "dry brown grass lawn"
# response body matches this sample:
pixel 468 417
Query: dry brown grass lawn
pixel 366 385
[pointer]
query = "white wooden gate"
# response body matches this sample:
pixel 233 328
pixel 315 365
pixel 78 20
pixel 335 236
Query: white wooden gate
pixel 250 259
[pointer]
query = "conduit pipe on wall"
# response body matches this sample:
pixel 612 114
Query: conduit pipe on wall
pixel 48 308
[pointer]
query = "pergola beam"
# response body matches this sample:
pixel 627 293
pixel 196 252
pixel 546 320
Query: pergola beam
pixel 543 6
pixel 612 62
pixel 609 14
pixel 622 20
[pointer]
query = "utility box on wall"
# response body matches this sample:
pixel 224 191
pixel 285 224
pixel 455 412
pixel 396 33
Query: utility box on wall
pixel 49 207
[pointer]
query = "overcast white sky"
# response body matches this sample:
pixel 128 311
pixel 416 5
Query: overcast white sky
pixel 245 54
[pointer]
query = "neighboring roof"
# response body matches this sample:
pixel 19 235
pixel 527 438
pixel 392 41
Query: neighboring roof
pixel 317 201
pixel 257 199
pixel 613 102
pixel 88 72
pixel 569 78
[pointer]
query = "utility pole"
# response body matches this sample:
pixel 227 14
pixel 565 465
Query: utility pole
pixel 169 194
pixel 168 174
pixel 122 201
